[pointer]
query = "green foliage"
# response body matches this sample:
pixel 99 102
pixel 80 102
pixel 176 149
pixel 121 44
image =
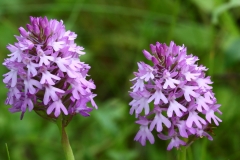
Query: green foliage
pixel 114 33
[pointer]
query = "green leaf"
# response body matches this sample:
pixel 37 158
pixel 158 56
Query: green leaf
pixel 232 52
pixel 205 5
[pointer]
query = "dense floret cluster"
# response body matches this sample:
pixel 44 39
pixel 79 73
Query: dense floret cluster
pixel 173 97
pixel 46 74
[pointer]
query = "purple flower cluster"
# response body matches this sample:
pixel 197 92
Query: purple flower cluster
pixel 46 74
pixel 183 102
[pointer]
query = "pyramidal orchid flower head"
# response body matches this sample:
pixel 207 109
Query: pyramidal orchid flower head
pixel 46 74
pixel 173 97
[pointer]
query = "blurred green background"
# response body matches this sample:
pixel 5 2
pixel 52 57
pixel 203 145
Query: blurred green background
pixel 114 33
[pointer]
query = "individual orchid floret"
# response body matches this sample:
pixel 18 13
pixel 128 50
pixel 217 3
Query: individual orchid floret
pixel 159 120
pixel 173 96
pixel 46 74
pixel 144 133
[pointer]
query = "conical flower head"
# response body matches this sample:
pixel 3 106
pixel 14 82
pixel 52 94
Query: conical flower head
pixel 173 96
pixel 46 74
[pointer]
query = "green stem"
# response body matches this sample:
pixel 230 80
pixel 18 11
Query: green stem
pixel 64 139
pixel 7 151
pixel 181 154
pixel 189 153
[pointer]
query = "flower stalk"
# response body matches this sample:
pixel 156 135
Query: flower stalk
pixel 67 149
pixel 181 153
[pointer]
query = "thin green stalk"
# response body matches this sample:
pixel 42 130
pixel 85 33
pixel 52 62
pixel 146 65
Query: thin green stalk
pixel 174 20
pixel 7 151
pixel 74 14
pixel 203 148
pixel 181 154
pixel 64 139
pixel 189 153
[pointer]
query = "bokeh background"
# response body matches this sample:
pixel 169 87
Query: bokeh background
pixel 114 33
